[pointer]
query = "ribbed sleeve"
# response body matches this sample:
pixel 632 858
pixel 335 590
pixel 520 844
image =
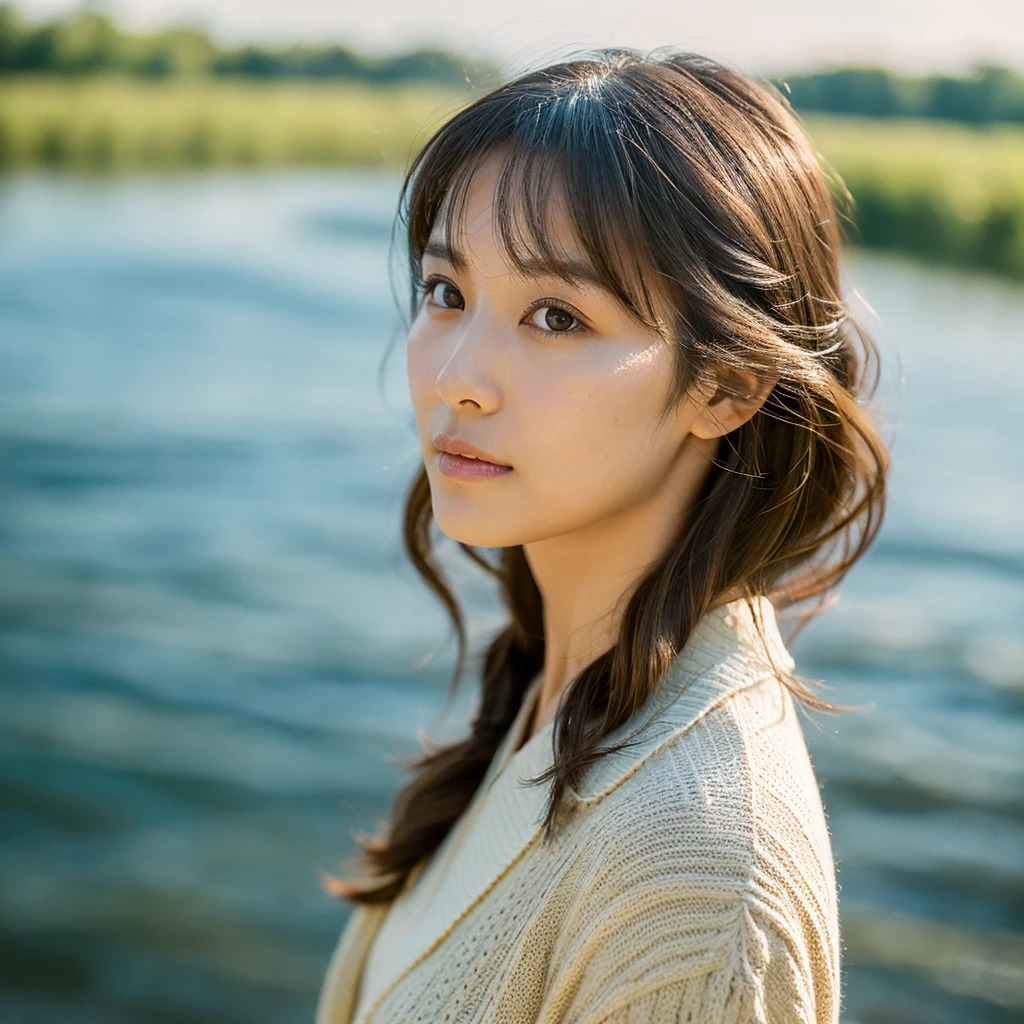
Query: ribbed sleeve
pixel 691 915
pixel 643 967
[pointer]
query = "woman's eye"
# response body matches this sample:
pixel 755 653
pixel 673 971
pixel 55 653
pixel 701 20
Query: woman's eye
pixel 553 319
pixel 445 294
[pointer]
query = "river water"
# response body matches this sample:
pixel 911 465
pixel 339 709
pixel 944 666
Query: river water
pixel 209 637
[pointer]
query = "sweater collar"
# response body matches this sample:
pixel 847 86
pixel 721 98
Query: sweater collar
pixel 726 640
pixel 723 655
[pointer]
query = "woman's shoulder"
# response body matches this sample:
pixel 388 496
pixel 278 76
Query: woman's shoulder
pixel 739 775
pixel 719 747
pixel 714 857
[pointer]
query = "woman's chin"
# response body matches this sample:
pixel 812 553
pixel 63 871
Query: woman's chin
pixel 476 531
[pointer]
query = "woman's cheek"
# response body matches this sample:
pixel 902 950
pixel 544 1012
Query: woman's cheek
pixel 421 372
pixel 621 438
pixel 578 444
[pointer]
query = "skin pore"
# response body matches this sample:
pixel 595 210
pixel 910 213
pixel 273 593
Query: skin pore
pixel 559 382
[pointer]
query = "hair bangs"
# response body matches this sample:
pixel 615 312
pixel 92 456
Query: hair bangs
pixel 560 209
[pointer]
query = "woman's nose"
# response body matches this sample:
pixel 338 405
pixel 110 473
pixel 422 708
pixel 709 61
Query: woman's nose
pixel 472 370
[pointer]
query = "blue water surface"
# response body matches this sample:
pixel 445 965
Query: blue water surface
pixel 213 651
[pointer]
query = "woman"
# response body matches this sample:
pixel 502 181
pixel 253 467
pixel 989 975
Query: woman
pixel 633 374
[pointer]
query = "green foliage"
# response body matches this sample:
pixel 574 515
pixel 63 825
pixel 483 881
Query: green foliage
pixel 946 192
pixel 88 42
pixel 990 95
pixel 110 123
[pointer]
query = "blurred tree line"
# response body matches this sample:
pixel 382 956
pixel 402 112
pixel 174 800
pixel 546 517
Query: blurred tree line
pixel 989 95
pixel 89 42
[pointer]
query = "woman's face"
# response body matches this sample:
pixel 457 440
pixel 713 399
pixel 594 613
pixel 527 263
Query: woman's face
pixel 555 381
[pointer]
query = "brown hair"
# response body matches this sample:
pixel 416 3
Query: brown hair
pixel 694 191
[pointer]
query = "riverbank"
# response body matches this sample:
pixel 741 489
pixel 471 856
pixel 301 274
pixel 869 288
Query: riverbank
pixel 942 191
pixel 108 124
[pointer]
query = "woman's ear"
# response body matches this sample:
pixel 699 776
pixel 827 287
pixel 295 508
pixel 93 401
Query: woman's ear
pixel 727 407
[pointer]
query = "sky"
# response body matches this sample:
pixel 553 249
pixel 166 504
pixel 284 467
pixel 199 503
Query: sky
pixel 758 36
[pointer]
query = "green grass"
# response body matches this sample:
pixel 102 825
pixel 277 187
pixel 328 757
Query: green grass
pixel 946 192
pixel 110 124
pixel 942 191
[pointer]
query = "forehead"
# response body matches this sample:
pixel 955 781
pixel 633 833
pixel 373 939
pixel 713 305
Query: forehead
pixel 525 217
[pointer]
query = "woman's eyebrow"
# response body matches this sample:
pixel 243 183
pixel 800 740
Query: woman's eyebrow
pixel 569 270
pixel 442 252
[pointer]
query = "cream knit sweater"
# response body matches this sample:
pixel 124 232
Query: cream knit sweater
pixel 694 882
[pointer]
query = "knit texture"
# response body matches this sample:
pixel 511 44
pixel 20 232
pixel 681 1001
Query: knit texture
pixel 694 881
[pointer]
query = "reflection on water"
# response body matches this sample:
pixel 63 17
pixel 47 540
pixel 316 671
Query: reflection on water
pixel 208 628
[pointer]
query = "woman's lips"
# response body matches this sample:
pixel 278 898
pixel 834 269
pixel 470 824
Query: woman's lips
pixel 459 467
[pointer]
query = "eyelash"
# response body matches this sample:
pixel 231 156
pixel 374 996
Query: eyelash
pixel 425 286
